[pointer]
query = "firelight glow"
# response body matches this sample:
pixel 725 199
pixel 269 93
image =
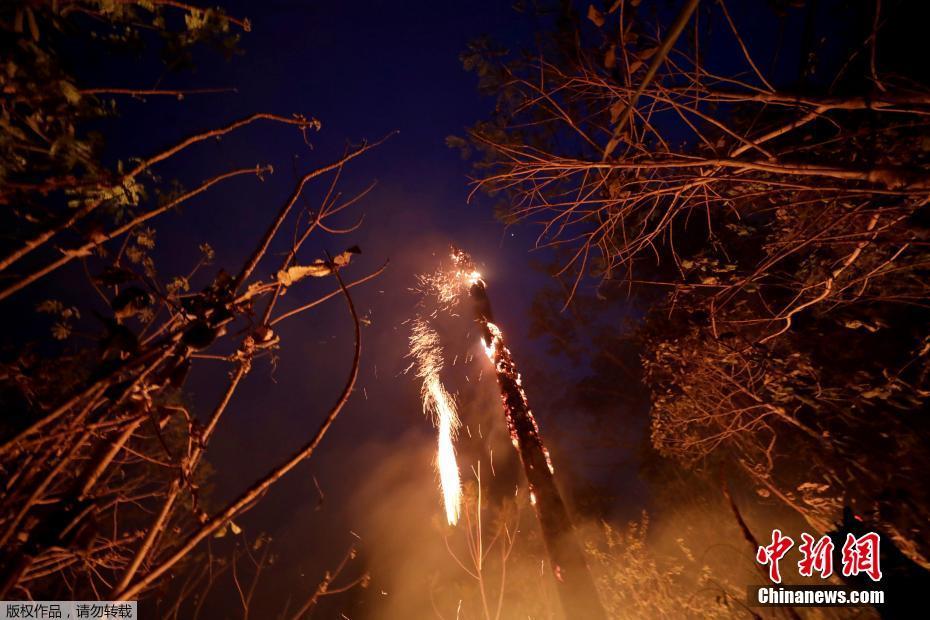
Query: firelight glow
pixel 439 405
pixel 448 287
pixel 493 351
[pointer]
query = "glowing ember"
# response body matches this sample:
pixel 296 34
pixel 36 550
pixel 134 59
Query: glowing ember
pixel 447 286
pixel 501 358
pixel 439 405
pixel 576 587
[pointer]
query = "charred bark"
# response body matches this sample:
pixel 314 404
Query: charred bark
pixel 573 579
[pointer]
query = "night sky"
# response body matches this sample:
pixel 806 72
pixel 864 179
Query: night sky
pixel 392 71
pixel 364 70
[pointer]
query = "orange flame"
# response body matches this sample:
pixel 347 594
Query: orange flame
pixel 494 350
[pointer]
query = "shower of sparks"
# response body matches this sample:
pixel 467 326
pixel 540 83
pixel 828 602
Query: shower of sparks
pixel 448 286
pixel 573 579
pixel 439 405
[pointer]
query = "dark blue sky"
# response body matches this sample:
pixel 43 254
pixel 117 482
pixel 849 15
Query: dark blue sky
pixel 364 70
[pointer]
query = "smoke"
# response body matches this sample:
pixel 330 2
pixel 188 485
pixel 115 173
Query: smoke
pixel 422 568
pixel 686 559
pixel 409 548
pixel 688 552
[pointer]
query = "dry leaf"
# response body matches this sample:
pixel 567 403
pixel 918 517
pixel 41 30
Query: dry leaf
pixel 227 527
pixel 616 110
pixel 317 269
pixel 595 16
pixel 610 58
pixel 648 53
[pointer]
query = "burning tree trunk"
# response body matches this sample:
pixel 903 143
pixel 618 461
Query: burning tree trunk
pixel 574 583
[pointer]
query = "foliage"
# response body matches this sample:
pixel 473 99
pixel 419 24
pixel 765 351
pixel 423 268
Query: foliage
pixel 106 478
pixel 769 226
pixel 45 151
pixel 634 579
pixel 636 582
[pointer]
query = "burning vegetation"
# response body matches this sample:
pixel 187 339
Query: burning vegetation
pixel 575 586
pixel 440 406
pixel 737 321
